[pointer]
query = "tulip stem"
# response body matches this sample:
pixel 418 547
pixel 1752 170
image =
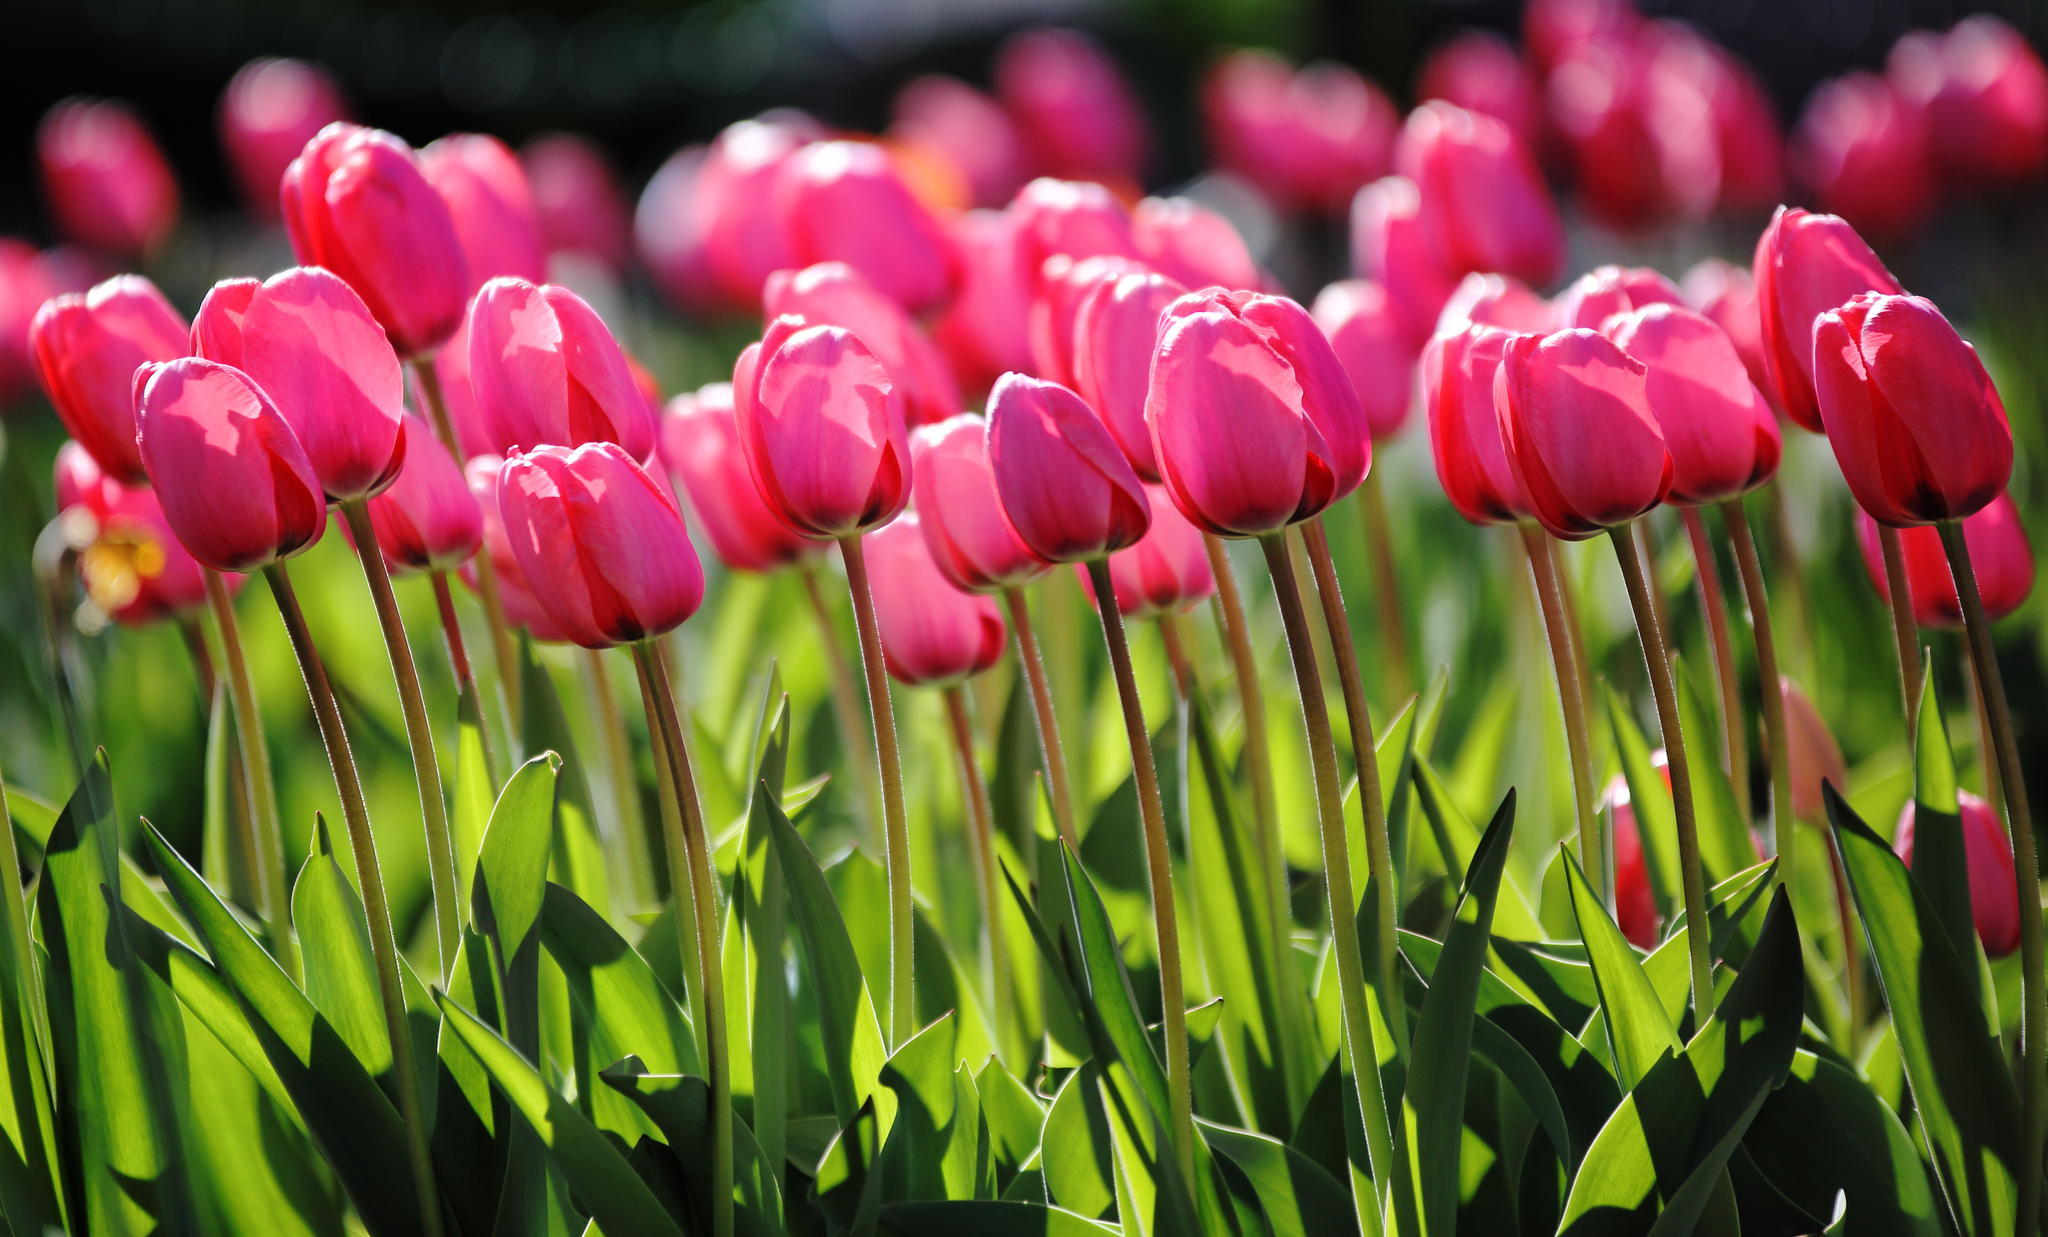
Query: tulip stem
pixel 1785 552
pixel 1158 874
pixel 1361 1044
pixel 266 835
pixel 419 737
pixel 355 813
pixel 1379 855
pixel 1043 716
pixel 1905 634
pixel 1393 630
pixel 1664 687
pixel 846 707
pixel 1771 686
pixel 1707 575
pixel 1176 653
pixel 1646 540
pixel 1571 700
pixel 982 842
pixel 895 829
pixel 465 674
pixel 690 868
pixel 641 842
pixel 2033 1064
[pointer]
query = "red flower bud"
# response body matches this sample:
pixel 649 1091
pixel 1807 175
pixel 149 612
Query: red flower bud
pixel 962 515
pixel 545 369
pixel 1063 285
pixel 1812 754
pixel 1066 488
pixel 986 331
pixel 1397 245
pixel 1307 138
pixel 1726 294
pixel 1987 854
pixel 1806 265
pixel 835 294
pixel 1369 337
pixel 1481 72
pixel 1721 434
pixel 1985 94
pixel 134 570
pixel 1635 905
pixel 1187 241
pixel 86 349
pixel 576 194
pixel 669 234
pixel 428 520
pixel 744 237
pixel 932 633
pixel 846 202
pixel 966 128
pixel 1077 218
pixel 1068 99
pixel 1116 330
pixel 1494 300
pixel 1575 418
pixel 700 445
pixel 1866 154
pixel 1999 553
pixel 1480 185
pixel 1605 291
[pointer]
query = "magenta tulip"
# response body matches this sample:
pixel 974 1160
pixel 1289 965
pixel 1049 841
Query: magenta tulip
pixel 133 569
pixel 1066 488
pixel 491 205
pixel 743 234
pixel 836 294
pixel 1811 753
pixel 700 446
pixel 933 635
pixel 669 234
pixel 1464 433
pixel 1635 905
pixel 1575 418
pixel 1064 284
pixel 961 513
pixel 1480 186
pixel 1984 92
pixel 522 608
pixel 1079 219
pixel 577 197
pixel 105 180
pixel 28 277
pixel 1167 570
pixel 1115 331
pixel 1736 159
pixel 968 130
pixel 1373 342
pixel 1193 243
pixel 269 111
pixel 1397 246
pixel 1307 138
pixel 1987 854
pixel 1999 553
pixel 1605 291
pixel 1068 99
pixel 86 349
pixel 1721 434
pixel 1726 295
pixel 1493 300
pixel 846 202
pixel 1628 173
pixel 986 331
pixel 1865 153
pixel 546 370
pixel 428 520
pixel 1481 72
pixel 1806 265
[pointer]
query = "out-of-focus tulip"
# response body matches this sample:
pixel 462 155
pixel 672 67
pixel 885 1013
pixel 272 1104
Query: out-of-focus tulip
pixel 835 293
pixel 1167 570
pixel 27 279
pixel 1600 106
pixel 1999 553
pixel 1481 72
pixel 744 235
pixel 356 202
pixel 1115 331
pixel 1065 487
pixel 823 429
pixel 1737 158
pixel 1984 92
pixel 602 545
pixel 1464 434
pixel 1188 241
pixel 1493 300
pixel 962 515
pixel 86 349
pixel 933 634
pixel 1575 418
pixel 1482 192
pixel 1812 753
pixel 1721 434
pixel 134 570
pixel 1254 423
pixel 104 178
pixel 268 113
pixel 1635 906
pixel 1605 291
pixel 1068 99
pixel 1079 219
pixel 968 129
pixel 1916 425
pixel 491 204
pixel 1062 288
pixel 700 446
pixel 1726 294
pixel 1308 138
pixel 545 369
pixel 576 194
pixel 669 233
pixel 235 485
pixel 845 202
pixel 1378 353
pixel 986 331
pixel 1552 28
pixel 1394 244
pixel 309 341
pixel 1987 854
pixel 1865 153
pixel 428 520
pixel 1806 265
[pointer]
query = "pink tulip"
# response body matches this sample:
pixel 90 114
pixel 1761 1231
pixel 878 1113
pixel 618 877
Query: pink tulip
pixel 1575 418
pixel 1485 198
pixel 104 178
pixel 933 635
pixel 700 446
pixel 134 570
pixel 235 484
pixel 1307 138
pixel 1071 104
pixel 356 202
pixel 823 429
pixel 1605 291
pixel 1397 246
pixel 966 128
pixel 1494 300
pixel 1806 265
pixel 1457 369
pixel 835 294
pixel 1166 571
pixel 1379 356
pixel 1481 72
pixel 602 546
pixel 1629 174
pixel 1553 28
pixel 954 486
pixel 268 113
pixel 1189 242
pixel 1987 855
pixel 1066 488
pixel 86 349
pixel 1721 434
pixel 1635 905
pixel 1866 154
pixel 310 343
pixel 27 279
pixel 986 329
pixel 491 204
pixel 846 202
pixel 1984 92
pixel 1737 158
pixel 1812 754
pixel 546 370
pixel 1077 219
pixel 744 236
pixel 577 196
pixel 428 520
pixel 669 234
pixel 1726 295
pixel 1999 553
pixel 1063 287
pixel 522 608
pixel 1115 331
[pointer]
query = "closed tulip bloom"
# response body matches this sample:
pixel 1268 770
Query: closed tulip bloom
pixel 846 202
pixel 1600 104
pixel 1722 437
pixel 1482 72
pixel 1079 219
pixel 985 330
pixel 522 608
pixel 1812 753
pixel 1254 423
pixel 1493 300
pixel 28 277
pixel 1115 331
pixel 1166 571
pixel 1308 138
pixel 1553 28
pixel 491 205
pixel 933 635
pixel 577 197
pixel 836 294
pixel 1376 349
pixel 1065 486
pixel 1916 425
pixel 1999 552
pixel 105 180
pixel 235 485
pixel 356 202
pixel 1635 904
pixel 744 236
pixel 546 370
pixel 269 111
pixel 1063 286
pixel 823 429
pixel 1806 265
pixel 954 486
pixel 428 520
pixel 1398 246
pixel 1984 92
pixel 1068 99
pixel 309 341
pixel 1490 207
pixel 1605 291
pixel 1987 854
pixel 86 349
pixel 1866 154
pixel 1575 417
pixel 966 128
pixel 1457 371
pixel 1192 243
pixel 700 446
pixel 670 237
pixel 1726 295
pixel 1738 156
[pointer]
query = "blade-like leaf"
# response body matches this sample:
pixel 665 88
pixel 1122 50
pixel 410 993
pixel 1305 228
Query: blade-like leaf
pixel 1639 1032
pixel 680 1106
pixel 1865 1153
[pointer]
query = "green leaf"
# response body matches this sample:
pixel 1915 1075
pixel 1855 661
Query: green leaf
pixel 931 1147
pixel 986 1219
pixel 1865 1153
pixel 470 788
pixel 31 1197
pixel 680 1106
pixel 1940 866
pixel 1460 840
pixel 1639 1032
pixel 757 979
pixel 509 889
pixel 340 971
pixel 1014 1115
pixel 1074 1147
pixel 1295 1195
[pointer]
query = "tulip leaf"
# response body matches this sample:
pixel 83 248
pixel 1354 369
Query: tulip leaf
pixel 680 1106
pixel 471 786
pixel 509 889
pixel 1941 865
pixel 340 972
pixel 1861 1151
pixel 1513 916
pixel 1639 1031
pixel 986 1219
pixel 1295 1196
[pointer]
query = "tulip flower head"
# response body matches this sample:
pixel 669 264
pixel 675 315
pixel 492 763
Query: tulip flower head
pixel 700 446
pixel 1066 488
pixel 1069 100
pixel 1063 285
pixel 960 511
pixel 1812 753
pixel 744 237
pixel 522 608
pixel 1865 153
pixel 1605 291
pixel 1575 418
pixel 1307 138
pixel 846 202
pixel 1115 331
pixel 133 569
pixel 577 197
pixel 968 129
pixel 1192 243
pixel 1722 437
pixel 1726 294
pixel 1481 72
pixel 1806 265
pixel 491 205
pixel 1079 219
pixel 986 329
pixel 545 369
pixel 104 177
pixel 1396 245
pixel 933 634
pixel 428 520
pixel 669 223
pixel 1493 300
pixel 1987 854
pixel 1635 904
pixel 1984 92
pixel 1482 193
pixel 1165 572
pixel 269 111
pixel 1999 553
pixel 1457 371
pixel 86 348
pixel 836 294
pixel 1373 342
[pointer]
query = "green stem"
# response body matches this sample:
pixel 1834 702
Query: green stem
pixel 1772 687
pixel 465 674
pixel 641 841
pixel 355 813
pixel 266 834
pixel 1707 574
pixel 1176 653
pixel 1571 700
pixel 1905 634
pixel 1393 629
pixel 1043 716
pixel 846 707
pixel 982 842
pixel 1785 553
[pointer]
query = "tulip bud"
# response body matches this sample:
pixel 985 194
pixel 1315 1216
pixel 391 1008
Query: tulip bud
pixel 1737 158
pixel 962 515
pixel 1721 434
pixel 823 429
pixel 1635 904
pixel 932 633
pixel 1916 425
pixel 1605 291
pixel 490 204
pixel 845 202
pixel 1068 99
pixel 235 485
pixel 600 544
pixel 522 608
pixel 546 370
pixel 966 128
pixel 1481 188
pixel 669 234
pixel 1575 418
pixel 1166 571
pixel 311 344
pixel 835 294
pixel 1076 218
pixel 104 178
pixel 268 113
pixel 1806 265
pixel 1811 753
pixel 1726 295
pixel 1551 29
pixel 700 446
pixel 356 202
pixel 577 197
pixel 86 349
pixel 1115 332
pixel 1600 101
pixel 1374 345
pixel 1865 154
pixel 1187 241
pixel 1987 853
pixel 1493 300
pixel 1307 138
pixel 27 279
pixel 986 330
pixel 1457 371
pixel 744 236
pixel 1481 72
pixel 428 520
pixel 1063 285
pixel 1999 554
pixel 1396 245
pixel 1067 490
pixel 1985 95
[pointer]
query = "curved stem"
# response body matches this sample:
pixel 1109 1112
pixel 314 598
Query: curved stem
pixel 1785 554
pixel 1043 717
pixel 2033 1063
pixel 266 834
pixel 1771 685
pixel 355 813
pixel 201 653
pixel 1360 1043
pixel 419 738
pixel 1657 656
pixel 846 708
pixel 1707 574
pixel 895 829
pixel 465 674
pixel 1571 700
pixel 982 842
pixel 1905 634
pixel 1393 629
pixel 1379 855
pixel 1170 636
pixel 1646 541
